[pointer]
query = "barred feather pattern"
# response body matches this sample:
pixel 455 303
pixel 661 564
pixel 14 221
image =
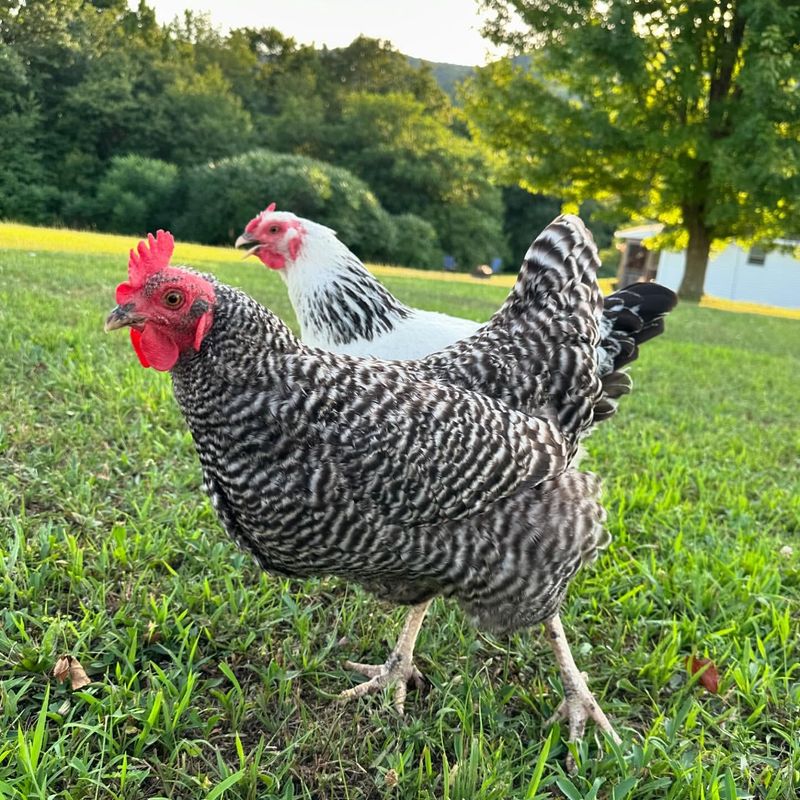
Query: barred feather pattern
pixel 326 464
pixel 631 317
pixel 355 306
pixel 538 353
pixel 342 307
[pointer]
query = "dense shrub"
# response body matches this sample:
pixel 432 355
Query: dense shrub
pixel 415 243
pixel 219 198
pixel 135 195
pixel 472 232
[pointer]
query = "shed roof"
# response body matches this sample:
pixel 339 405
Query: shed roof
pixel 637 233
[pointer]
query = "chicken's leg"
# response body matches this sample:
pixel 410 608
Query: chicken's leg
pixel 398 669
pixel 579 703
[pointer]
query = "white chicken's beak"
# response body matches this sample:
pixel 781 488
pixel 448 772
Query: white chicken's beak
pixel 250 242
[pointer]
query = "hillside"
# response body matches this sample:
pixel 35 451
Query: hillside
pixel 448 76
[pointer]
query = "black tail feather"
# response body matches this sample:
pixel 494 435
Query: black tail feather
pixel 632 316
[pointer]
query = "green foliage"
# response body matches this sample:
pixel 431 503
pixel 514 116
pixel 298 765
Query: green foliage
pixel 448 76
pixel 205 119
pixel 208 674
pixel 24 193
pixel 64 45
pixel 135 194
pixel 415 243
pixel 525 214
pixel 219 198
pixel 92 82
pixel 373 66
pixel 687 114
pixel 415 162
pixel 472 231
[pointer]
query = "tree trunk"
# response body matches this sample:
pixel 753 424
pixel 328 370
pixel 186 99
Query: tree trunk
pixel 694 275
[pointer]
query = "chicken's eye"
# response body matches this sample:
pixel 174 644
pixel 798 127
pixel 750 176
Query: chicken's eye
pixel 274 229
pixel 173 299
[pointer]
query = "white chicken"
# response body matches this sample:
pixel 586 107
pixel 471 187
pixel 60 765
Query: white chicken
pixel 340 305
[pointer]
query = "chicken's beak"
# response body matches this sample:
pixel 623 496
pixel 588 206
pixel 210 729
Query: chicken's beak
pixel 122 316
pixel 249 241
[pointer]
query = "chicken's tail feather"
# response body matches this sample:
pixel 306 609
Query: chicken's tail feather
pixel 556 303
pixel 588 341
pixel 562 258
pixel 631 316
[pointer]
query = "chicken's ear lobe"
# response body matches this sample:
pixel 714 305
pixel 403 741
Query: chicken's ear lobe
pixel 294 246
pixel 203 326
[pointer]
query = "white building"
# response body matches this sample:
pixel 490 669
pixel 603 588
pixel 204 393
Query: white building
pixel 755 275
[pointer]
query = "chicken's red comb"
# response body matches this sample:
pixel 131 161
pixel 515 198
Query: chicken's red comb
pixel 254 222
pixel 149 257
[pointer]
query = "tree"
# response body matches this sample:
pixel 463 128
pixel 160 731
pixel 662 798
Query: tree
pixel 415 163
pixel 208 120
pixel 54 41
pixel 24 191
pixel 374 66
pixel 524 215
pixel 415 243
pixel 684 113
pixel 87 84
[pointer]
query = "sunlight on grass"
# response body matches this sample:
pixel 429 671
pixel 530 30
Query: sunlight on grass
pixel 740 307
pixel 29 237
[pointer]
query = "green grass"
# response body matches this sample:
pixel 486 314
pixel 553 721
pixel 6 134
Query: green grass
pixel 211 680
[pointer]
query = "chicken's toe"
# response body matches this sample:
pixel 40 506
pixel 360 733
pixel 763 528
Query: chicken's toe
pixel 578 706
pixel 397 672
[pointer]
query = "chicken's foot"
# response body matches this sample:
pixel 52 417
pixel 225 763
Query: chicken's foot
pixel 579 704
pixel 398 670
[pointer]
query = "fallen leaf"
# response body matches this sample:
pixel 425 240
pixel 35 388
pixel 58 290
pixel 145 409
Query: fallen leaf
pixel 710 677
pixel 70 667
pixel 61 669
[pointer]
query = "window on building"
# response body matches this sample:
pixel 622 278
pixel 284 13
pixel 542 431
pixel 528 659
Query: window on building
pixel 757 256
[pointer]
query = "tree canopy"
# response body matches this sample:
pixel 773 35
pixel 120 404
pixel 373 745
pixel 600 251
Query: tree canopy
pixel 687 113
pixel 98 98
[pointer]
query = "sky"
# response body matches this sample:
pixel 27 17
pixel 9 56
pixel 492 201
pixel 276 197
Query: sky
pixel 436 30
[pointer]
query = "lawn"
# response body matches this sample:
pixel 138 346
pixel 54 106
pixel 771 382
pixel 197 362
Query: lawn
pixel 212 680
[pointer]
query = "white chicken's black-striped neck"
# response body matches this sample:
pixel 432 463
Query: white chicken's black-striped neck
pixel 352 305
pixel 337 300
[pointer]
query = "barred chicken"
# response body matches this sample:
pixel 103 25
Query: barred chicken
pixel 342 307
pixel 400 475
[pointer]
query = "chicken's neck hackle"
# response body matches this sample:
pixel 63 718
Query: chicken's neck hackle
pixel 337 300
